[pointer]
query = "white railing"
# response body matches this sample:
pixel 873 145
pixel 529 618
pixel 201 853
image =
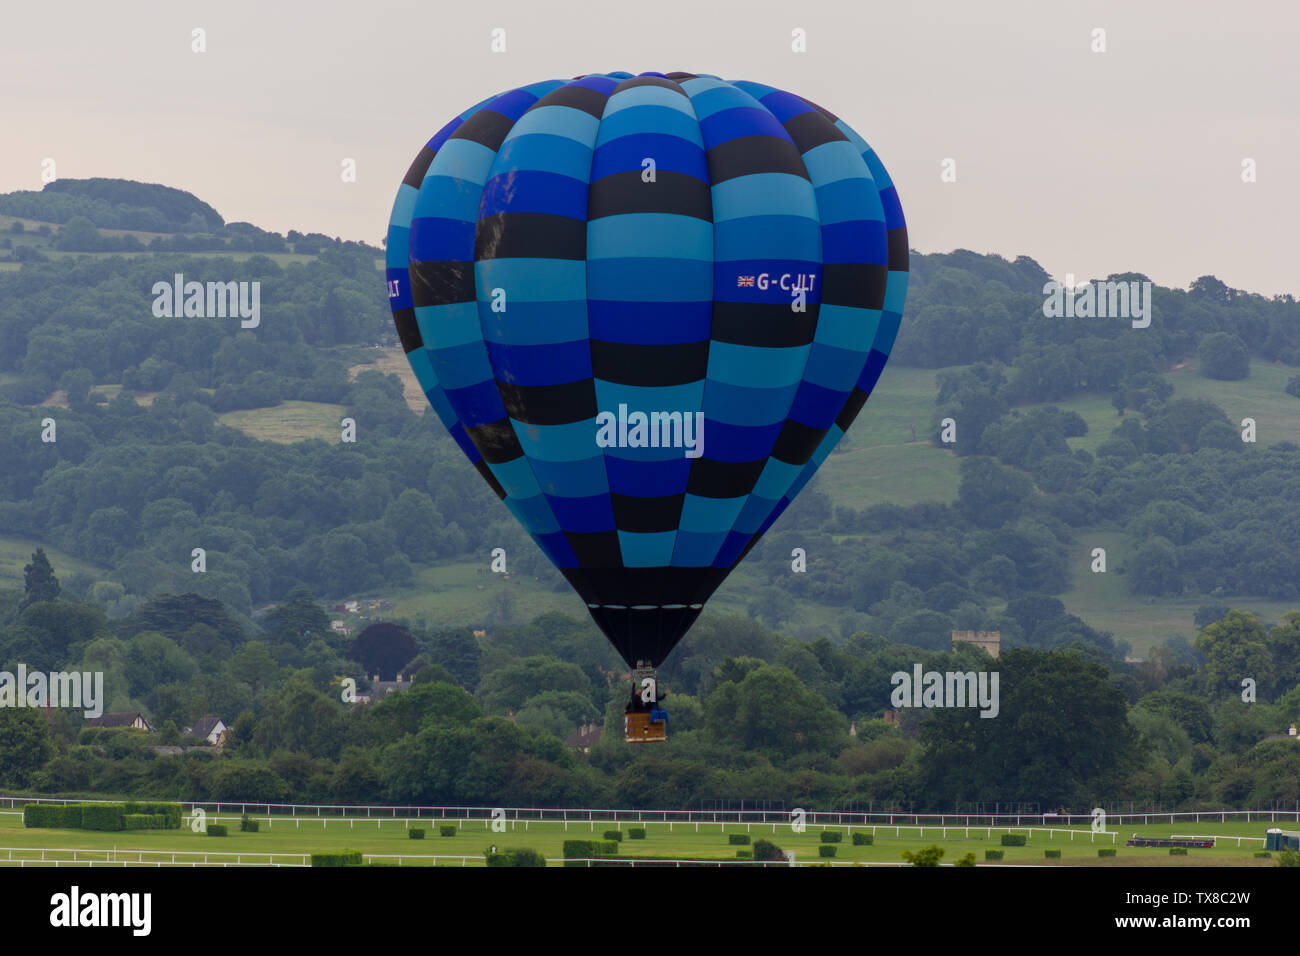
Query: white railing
pixel 593 816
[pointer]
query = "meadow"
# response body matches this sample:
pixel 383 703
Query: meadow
pixel 286 840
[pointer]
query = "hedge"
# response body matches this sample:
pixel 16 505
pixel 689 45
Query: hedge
pixel 445 829
pixel 335 858
pixel 1178 851
pixel 247 824
pixel 1110 852
pixel 103 816
pixel 216 829
pixel 1052 854
pixel 1014 839
pixel 744 854
pixel 415 833
pixel 993 854
pixel 863 839
pixel 766 850
pixel 615 835
pixel 636 833
pixel 577 852
pixel 832 836
pixel 738 839
pixel 521 856
pixel 1263 854
pixel 827 849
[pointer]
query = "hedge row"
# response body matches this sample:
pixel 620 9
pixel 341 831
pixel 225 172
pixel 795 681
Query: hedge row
pixel 738 839
pixel 636 833
pixel 827 849
pixel 1014 839
pixel 216 829
pixel 615 835
pixel 446 829
pixel 576 851
pixel 521 856
pixel 335 858
pixel 1106 852
pixel 1052 854
pixel 863 839
pixel 103 816
pixel 415 833
pixel 993 854
pixel 832 836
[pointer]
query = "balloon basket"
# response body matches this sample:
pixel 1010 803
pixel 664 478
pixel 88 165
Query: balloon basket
pixel 641 726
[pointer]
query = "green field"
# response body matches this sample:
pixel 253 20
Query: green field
pixel 286 840
pixel 288 422
pixel 16 552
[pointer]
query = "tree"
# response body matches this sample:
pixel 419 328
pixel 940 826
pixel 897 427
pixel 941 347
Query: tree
pixel 1224 356
pixel 1235 648
pixel 39 582
pixel 24 745
pixel 926 856
pixel 989 494
pixel 383 649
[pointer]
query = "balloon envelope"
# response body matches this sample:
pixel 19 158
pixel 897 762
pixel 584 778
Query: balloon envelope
pixel 647 308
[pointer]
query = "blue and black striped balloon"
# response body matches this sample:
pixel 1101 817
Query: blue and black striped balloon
pixel 564 256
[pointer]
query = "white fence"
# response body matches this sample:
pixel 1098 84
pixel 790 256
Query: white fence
pixel 464 814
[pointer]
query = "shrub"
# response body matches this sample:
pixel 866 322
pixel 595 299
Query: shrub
pixel 247 824
pixel 863 839
pixel 738 839
pixel 615 835
pixel 636 833
pixel 1108 852
pixel 170 813
pixel 1014 839
pixel 1052 854
pixel 141 821
pixel 827 850
pixel 767 851
pixel 415 833
pixel 1178 851
pixel 576 852
pixel 101 816
pixel 832 836
pixel 334 858
pixel 993 854
pixel 744 854
pixel 1263 855
pixel 521 856
pixel 219 829
pixel 445 829
pixel 967 860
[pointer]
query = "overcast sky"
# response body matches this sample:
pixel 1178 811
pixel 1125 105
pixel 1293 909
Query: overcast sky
pixel 1091 163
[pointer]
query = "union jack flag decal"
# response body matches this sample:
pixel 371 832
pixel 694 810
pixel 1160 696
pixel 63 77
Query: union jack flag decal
pixel 744 281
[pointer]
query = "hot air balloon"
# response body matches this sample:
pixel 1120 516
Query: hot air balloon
pixel 647 308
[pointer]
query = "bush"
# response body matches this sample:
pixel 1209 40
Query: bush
pixel 827 850
pixel 967 860
pixel 334 858
pixel 141 821
pixel 247 824
pixel 577 852
pixel 1014 839
pixel 1178 851
pixel 169 812
pixel 1263 855
pixel 1052 854
pixel 415 833
pixel 863 839
pixel 767 851
pixel 445 829
pixel 832 836
pixel 219 829
pixel 615 835
pixel 1110 852
pixel 102 816
pixel 515 857
pixel 636 833
pixel 744 854
pixel 993 854
pixel 738 839
pixel 61 816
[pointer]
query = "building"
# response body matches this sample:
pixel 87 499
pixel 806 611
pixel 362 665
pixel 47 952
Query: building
pixel 988 641
pixel 1276 839
pixel 212 729
pixel 379 689
pixel 133 721
pixel 584 738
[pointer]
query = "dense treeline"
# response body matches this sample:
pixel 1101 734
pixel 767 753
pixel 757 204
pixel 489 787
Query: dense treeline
pixel 754 714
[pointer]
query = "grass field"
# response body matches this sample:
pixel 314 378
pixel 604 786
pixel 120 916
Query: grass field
pixel 288 422
pixel 286 839
pixel 16 552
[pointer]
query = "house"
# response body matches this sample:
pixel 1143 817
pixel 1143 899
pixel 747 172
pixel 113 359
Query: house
pixel 134 721
pixel 988 641
pixel 584 737
pixel 379 689
pixel 1289 735
pixel 212 729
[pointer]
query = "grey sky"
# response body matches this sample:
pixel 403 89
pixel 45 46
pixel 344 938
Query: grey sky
pixel 1089 162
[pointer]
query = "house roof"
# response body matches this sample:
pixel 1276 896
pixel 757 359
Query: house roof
pixel 206 725
pixel 116 720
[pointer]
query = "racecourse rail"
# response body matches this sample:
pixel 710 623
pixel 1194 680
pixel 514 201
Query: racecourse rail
pixel 822 818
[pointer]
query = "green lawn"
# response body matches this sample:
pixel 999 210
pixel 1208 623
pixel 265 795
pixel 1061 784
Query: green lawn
pixel 288 422
pixel 285 837
pixel 1261 396
pixel 16 552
